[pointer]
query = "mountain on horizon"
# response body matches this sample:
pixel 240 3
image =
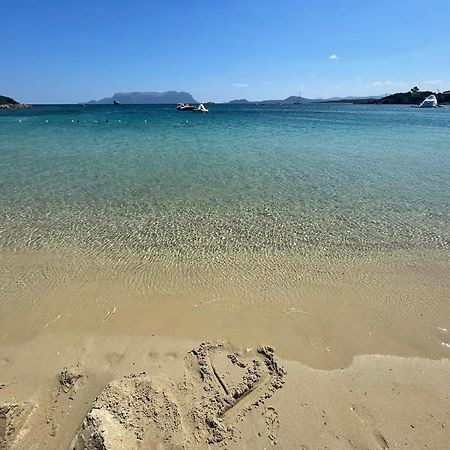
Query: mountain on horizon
pixel 135 98
pixel 240 101
pixel 287 101
pixel 293 99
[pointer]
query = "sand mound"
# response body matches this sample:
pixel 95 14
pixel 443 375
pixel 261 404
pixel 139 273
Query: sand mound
pixel 219 387
pixel 68 379
pixel 12 419
pixel 131 413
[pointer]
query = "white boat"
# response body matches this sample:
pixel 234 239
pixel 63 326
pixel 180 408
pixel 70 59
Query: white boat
pixel 429 102
pixel 201 108
pixel 185 107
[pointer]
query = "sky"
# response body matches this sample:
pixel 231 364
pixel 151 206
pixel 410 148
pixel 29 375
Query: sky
pixel 62 51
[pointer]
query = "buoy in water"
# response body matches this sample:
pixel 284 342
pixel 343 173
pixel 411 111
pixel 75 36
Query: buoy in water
pixel 46 121
pixel 20 121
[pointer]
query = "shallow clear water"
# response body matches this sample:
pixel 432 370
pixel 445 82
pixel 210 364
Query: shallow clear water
pixel 332 180
pixel 322 230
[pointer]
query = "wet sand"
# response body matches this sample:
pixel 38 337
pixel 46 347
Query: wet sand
pixel 91 349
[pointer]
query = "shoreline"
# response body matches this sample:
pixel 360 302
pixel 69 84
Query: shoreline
pixel 331 310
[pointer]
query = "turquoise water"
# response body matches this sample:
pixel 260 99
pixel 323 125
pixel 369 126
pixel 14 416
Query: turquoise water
pixel 328 179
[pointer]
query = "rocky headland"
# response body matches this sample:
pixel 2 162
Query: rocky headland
pixel 10 103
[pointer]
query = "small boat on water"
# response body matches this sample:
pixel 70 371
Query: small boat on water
pixel 115 102
pixel 187 107
pixel 429 102
pixel 201 108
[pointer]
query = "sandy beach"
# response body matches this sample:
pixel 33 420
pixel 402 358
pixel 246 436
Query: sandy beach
pixel 252 362
pixel 130 392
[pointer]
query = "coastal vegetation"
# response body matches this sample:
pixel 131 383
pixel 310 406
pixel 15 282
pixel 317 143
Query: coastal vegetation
pixel 413 97
pixel 7 100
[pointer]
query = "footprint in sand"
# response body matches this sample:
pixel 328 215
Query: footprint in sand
pixel 4 361
pixel 61 396
pixel 113 359
pixel 272 422
pixel 153 355
pixel 369 422
pixel 380 439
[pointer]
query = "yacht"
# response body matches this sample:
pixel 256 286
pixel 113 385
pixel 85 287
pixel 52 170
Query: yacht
pixel 429 102
pixel 185 107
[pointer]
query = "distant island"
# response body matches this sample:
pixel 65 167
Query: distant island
pixel 135 98
pixel 296 100
pixel 240 101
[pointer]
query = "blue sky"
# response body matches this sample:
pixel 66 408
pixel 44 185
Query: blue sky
pixel 69 51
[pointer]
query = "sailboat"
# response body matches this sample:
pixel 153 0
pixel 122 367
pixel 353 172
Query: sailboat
pixel 298 102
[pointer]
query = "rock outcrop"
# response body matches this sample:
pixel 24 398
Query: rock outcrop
pixel 10 103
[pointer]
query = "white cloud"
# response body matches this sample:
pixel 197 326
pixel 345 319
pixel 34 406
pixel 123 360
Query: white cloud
pixel 382 83
pixel 432 82
pixel 333 56
pixel 239 85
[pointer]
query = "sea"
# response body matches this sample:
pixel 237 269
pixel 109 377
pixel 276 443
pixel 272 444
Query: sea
pixel 333 179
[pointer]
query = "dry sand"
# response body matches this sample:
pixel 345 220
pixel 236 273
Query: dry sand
pixel 351 355
pixel 127 392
